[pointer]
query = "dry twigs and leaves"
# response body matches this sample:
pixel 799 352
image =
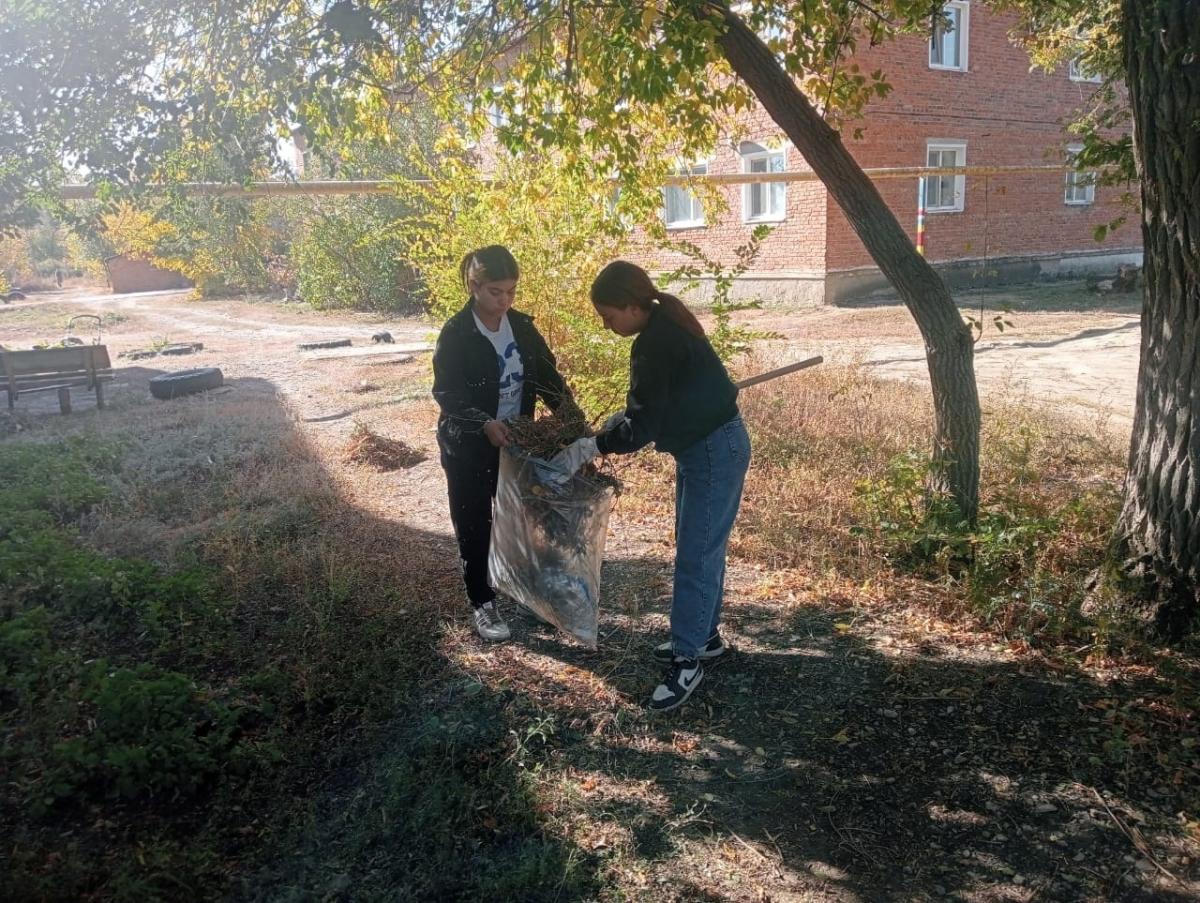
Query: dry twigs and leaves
pixel 369 448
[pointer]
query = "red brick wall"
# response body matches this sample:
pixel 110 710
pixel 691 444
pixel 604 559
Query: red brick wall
pixel 133 274
pixel 1008 115
pixel 795 244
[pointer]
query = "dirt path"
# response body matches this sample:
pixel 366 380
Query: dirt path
pixel 1081 358
pixel 1083 361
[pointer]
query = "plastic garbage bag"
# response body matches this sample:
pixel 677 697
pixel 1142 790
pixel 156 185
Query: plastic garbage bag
pixel 548 543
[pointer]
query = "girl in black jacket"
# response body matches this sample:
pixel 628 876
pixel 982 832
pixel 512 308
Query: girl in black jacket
pixel 490 365
pixel 681 399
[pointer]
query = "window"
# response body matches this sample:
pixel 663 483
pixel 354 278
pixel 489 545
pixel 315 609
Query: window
pixel 498 99
pixel 1077 73
pixel 1080 187
pixel 496 116
pixel 948 40
pixel 764 201
pixel 681 208
pixel 945 193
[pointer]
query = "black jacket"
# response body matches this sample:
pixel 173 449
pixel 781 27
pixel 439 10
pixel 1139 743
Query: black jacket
pixel 679 391
pixel 466 380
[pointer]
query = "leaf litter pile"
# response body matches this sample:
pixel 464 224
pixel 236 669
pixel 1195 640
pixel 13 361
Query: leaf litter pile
pixel 370 448
pixel 548 435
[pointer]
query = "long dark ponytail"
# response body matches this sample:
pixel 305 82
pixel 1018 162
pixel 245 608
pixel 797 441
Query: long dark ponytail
pixel 621 284
pixel 491 264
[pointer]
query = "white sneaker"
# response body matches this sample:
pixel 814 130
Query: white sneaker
pixel 489 624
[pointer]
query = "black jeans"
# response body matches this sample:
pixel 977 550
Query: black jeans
pixel 472 487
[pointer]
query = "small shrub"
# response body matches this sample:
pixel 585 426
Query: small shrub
pixel 27 656
pixel 1023 565
pixel 347 255
pixel 728 341
pixel 149 733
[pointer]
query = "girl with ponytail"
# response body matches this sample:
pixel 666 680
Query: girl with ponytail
pixel 490 365
pixel 681 399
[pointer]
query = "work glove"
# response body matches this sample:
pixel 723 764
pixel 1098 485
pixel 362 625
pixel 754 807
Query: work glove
pixel 567 462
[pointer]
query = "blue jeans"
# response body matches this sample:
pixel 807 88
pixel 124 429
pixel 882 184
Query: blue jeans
pixel 708 490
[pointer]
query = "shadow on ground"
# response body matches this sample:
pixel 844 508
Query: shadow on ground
pixel 817 761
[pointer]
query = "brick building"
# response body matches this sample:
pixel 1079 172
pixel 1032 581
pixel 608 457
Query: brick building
pixel 965 97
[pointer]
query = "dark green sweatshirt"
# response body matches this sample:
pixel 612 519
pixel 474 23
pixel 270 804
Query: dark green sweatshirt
pixel 679 391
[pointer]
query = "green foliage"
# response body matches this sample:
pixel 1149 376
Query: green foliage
pixel 129 730
pixel 1089 36
pixel 1025 562
pixel 457 787
pixel 728 340
pixel 560 228
pixel 67 94
pixel 158 695
pixel 221 244
pixel 347 255
pixel 62 480
pixel 149 733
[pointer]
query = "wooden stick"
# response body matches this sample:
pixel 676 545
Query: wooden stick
pixel 781 371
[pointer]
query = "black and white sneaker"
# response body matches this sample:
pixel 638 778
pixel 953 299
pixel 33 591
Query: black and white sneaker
pixel 714 648
pixel 681 680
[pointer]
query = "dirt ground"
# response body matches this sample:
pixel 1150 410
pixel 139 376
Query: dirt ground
pixel 1062 346
pixel 844 752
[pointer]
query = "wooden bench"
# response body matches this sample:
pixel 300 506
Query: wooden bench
pixel 56 369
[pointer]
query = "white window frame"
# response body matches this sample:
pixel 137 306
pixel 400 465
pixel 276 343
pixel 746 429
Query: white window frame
pixel 1074 181
pixel 963 9
pixel 696 168
pixel 748 159
pixel 1075 74
pixel 941 145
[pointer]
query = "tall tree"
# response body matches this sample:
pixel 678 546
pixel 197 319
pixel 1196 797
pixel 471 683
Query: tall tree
pixel 1146 119
pixel 1158 534
pixel 574 76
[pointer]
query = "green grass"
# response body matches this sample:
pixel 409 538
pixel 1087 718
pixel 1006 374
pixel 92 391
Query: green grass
pixel 141 699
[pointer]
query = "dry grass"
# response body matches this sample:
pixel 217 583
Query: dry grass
pixel 827 443
pixel 816 436
pixel 833 451
pixel 369 448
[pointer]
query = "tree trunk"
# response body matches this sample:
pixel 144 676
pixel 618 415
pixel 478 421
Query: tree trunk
pixel 1158 533
pixel 949 350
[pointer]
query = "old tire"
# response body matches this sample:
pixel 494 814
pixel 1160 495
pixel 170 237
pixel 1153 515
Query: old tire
pixel 182 348
pixel 185 382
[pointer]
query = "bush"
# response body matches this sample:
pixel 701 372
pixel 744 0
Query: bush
pixel 221 244
pixel 561 231
pixel 1025 565
pixel 149 732
pixel 728 341
pixel 348 255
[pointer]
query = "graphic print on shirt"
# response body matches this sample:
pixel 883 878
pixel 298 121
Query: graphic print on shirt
pixel 511 369
pixel 512 375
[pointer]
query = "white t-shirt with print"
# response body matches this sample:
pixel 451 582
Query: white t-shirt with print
pixel 512 369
